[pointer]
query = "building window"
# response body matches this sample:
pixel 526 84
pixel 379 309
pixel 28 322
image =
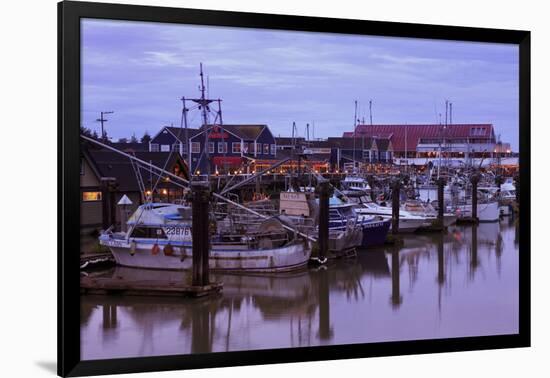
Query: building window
pixel 266 149
pixel 184 148
pixel 236 147
pixel 176 147
pixel 252 147
pixel 91 196
pixel 273 149
pixel 222 147
pixel 211 147
pixel 164 148
pixel 195 147
pixel 154 147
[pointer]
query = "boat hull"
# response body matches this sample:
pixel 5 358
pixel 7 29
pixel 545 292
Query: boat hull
pixel 141 255
pixel 486 212
pixel 373 232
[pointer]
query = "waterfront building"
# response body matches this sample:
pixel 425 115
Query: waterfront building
pixel 421 143
pixel 106 176
pixel 231 148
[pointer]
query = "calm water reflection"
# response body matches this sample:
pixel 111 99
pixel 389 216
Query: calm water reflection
pixel 463 283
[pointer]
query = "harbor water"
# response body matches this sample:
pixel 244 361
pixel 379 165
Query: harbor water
pixel 436 285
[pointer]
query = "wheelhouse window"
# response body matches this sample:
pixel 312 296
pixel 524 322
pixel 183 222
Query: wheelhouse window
pixel 91 196
pixel 148 232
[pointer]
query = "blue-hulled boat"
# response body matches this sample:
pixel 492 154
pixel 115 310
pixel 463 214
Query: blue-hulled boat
pixel 375 228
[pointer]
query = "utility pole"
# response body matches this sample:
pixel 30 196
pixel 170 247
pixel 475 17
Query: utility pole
pixel 102 119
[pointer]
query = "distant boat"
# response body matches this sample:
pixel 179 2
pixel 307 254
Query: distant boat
pixel 159 237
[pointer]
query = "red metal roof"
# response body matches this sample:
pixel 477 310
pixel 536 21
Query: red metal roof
pixel 408 135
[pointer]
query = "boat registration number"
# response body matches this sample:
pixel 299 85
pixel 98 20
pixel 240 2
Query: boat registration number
pixel 178 231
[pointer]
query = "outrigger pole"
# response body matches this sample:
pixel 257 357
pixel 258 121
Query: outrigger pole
pixel 167 173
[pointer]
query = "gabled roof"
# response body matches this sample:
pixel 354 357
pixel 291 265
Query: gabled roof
pixel 130 147
pixel 179 132
pixel 350 144
pixel 407 136
pixel 111 164
pixel 246 132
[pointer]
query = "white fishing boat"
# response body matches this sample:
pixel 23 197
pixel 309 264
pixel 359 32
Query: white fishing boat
pixel 159 237
pixel 408 222
pixel 354 182
pixel 487 211
pixel 426 210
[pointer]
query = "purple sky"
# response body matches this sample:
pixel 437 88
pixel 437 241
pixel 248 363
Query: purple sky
pixel 141 70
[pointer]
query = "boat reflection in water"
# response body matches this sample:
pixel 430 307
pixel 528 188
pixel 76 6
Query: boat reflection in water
pixel 461 283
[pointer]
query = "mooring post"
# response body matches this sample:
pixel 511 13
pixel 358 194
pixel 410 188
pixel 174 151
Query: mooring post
pixel 440 201
pixel 516 184
pixel 474 179
pixel 107 185
pixel 396 186
pixel 323 190
pixel 200 200
pixel 370 181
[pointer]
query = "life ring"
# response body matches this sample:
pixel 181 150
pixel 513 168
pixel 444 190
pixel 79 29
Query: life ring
pixel 168 250
pixel 155 250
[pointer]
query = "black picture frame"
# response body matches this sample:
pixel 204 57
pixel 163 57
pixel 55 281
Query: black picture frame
pixel 69 15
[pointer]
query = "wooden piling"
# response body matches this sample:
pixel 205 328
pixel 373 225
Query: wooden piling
pixel 323 190
pixel 440 201
pixel 396 186
pixel 474 179
pixel 371 181
pixel 200 200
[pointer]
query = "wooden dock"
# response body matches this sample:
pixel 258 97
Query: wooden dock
pixel 103 286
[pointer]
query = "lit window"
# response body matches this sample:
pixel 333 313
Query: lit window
pixel 91 196
pixel 236 147
pixel 211 147
pixel 154 147
pixel 195 147
pixel 222 147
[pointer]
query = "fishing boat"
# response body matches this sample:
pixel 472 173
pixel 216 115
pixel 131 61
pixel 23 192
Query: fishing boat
pixel 487 211
pixel 355 182
pixel 426 210
pixel 408 222
pixel 374 228
pixel 159 237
